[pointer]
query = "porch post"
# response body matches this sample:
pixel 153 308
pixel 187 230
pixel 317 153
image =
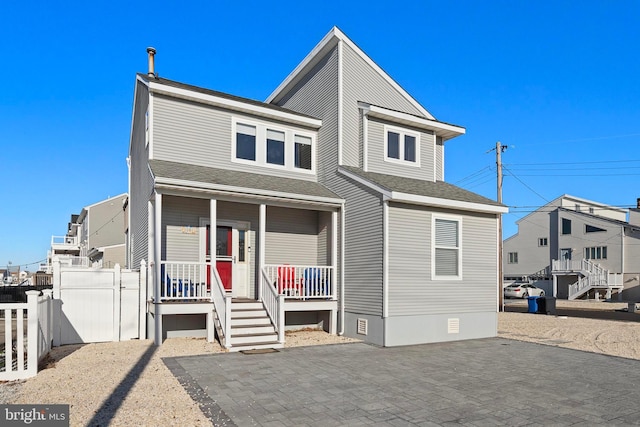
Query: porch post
pixel 333 327
pixel 213 222
pixel 262 247
pixel 157 249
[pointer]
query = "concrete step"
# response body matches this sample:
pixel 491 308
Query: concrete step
pixel 256 346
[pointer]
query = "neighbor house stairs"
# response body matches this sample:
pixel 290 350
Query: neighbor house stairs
pixel 251 327
pixel 591 276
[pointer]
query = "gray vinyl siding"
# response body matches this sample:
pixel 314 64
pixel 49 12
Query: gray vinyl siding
pixel 180 227
pixel 114 255
pixel 439 159
pixel 106 225
pixel 325 239
pixel 317 95
pixel 291 236
pixel 363 247
pixel 632 252
pixel 198 134
pixel 376 150
pixel 578 240
pixel 531 257
pixel 360 82
pixel 411 290
pixel 141 181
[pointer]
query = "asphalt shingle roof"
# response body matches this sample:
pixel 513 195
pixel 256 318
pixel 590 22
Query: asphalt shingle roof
pixel 438 189
pixel 198 89
pixel 225 177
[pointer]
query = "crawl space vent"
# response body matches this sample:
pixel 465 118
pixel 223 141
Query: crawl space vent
pixel 362 326
pixel 453 326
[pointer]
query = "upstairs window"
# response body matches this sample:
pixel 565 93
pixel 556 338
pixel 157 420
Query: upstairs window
pixel 446 252
pixel 566 226
pixel 592 229
pixel 513 257
pixel 596 252
pixel 543 241
pixel 274 147
pixel 302 152
pixel 402 146
pixel 245 142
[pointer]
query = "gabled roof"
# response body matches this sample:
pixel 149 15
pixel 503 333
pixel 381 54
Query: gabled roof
pixel 600 218
pixel 329 41
pixel 225 100
pixel 556 203
pixel 236 182
pixel 417 191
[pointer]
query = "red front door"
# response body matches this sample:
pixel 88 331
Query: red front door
pixel 223 257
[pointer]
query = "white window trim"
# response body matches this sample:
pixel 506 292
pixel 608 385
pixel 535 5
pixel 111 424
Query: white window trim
pixel 261 146
pixel 402 132
pixel 458 219
pixel 512 259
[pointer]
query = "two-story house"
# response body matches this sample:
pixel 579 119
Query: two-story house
pixel 95 237
pixel 577 248
pixel 329 204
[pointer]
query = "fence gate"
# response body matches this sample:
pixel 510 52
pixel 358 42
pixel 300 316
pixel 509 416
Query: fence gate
pixel 97 305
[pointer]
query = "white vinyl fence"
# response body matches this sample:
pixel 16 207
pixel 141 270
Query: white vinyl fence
pixel 24 347
pixel 98 304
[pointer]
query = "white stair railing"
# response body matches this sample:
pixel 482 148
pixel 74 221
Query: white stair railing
pixel 273 304
pixel 222 303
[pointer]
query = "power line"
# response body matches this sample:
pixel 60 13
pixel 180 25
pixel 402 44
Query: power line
pixel 575 163
pixel 523 183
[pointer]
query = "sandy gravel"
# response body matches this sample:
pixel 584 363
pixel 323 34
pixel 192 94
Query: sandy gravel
pixel 126 383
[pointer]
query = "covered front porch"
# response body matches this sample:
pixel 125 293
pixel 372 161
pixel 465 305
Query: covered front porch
pixel 273 266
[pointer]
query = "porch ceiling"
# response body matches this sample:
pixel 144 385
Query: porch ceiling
pixel 207 178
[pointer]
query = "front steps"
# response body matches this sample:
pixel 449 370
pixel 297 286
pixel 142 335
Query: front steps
pixel 251 327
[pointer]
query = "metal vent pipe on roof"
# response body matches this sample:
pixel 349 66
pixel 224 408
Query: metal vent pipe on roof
pixel 151 51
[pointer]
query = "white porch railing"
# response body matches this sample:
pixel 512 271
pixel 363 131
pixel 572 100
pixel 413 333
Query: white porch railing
pixel 184 281
pixel 273 304
pixel 73 261
pixel 222 303
pixel 39 334
pixel 303 282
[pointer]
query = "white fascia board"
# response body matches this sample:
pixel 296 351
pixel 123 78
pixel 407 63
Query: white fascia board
pixel 446 203
pixel 336 35
pixel 105 200
pixel 386 194
pixel 246 191
pixel 234 105
pixel 591 202
pixel 439 128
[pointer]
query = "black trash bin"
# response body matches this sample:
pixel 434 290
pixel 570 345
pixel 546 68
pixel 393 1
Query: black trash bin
pixel 547 305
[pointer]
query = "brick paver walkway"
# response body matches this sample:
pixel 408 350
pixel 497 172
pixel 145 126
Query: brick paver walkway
pixel 477 383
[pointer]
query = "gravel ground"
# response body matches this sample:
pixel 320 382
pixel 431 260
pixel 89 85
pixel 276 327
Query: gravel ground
pixel 126 383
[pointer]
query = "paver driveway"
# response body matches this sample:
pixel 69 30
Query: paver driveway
pixel 478 383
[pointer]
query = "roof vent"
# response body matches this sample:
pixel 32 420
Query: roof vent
pixel 151 51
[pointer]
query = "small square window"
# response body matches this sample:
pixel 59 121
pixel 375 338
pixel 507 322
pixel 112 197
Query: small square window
pixel 543 241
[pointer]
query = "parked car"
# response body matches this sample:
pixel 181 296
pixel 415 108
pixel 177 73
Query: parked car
pixel 522 290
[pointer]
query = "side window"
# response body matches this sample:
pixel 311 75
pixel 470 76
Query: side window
pixel 566 226
pixel 447 260
pixel 402 146
pixel 245 142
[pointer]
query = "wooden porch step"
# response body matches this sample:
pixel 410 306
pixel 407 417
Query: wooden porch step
pixel 243 321
pixel 253 338
pixel 252 330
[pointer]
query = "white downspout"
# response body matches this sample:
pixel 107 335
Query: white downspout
pixel 342 240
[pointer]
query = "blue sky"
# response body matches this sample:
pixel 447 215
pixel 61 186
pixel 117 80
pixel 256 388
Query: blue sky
pixel 556 81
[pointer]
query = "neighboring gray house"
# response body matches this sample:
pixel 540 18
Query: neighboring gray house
pixel 577 248
pixel 95 237
pixel 329 204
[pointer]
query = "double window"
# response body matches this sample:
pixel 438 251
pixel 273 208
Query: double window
pixel 446 257
pixel 271 146
pixel 543 241
pixel 402 146
pixel 513 257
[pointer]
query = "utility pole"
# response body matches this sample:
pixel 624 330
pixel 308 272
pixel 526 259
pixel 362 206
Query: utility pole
pixel 499 150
